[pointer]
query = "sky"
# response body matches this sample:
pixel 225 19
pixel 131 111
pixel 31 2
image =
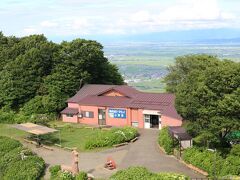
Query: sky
pixel 114 18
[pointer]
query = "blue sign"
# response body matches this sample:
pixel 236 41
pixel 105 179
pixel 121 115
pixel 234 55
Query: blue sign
pixel 117 113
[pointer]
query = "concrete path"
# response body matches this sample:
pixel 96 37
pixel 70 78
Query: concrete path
pixel 143 152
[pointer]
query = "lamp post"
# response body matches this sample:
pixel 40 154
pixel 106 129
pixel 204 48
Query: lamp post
pixel 214 162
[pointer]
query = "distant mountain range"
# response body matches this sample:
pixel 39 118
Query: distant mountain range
pixel 198 36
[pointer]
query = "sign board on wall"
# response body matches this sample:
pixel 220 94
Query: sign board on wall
pixel 117 113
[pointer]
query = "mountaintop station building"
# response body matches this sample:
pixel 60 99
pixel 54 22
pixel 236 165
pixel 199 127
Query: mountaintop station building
pixel 121 105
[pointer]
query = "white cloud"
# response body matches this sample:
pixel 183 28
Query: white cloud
pixel 48 24
pixel 186 14
pixel 75 17
pixel 80 23
pixel 29 30
pixel 140 16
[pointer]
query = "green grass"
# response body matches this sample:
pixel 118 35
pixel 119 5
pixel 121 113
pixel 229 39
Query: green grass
pixel 144 61
pixel 72 135
pixel 75 136
pixel 154 85
pixel 7 130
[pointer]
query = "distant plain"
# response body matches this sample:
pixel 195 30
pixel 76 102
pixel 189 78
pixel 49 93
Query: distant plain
pixel 144 65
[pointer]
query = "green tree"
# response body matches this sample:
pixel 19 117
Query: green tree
pixel 37 76
pixel 207 94
pixel 184 65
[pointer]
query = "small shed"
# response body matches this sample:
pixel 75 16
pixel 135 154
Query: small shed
pixel 178 132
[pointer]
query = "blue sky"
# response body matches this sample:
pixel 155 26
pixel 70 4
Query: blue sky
pixel 91 18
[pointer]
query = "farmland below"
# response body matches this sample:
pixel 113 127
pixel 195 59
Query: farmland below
pixel 144 65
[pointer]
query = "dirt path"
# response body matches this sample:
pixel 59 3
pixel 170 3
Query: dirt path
pixel 144 152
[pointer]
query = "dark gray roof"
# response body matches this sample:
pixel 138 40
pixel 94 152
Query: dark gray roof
pixel 68 110
pixel 180 132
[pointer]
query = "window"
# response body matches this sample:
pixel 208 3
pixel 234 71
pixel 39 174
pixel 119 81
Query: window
pixel 147 118
pixel 88 114
pixel 69 115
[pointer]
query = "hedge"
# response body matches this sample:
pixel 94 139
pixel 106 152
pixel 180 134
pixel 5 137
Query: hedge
pixel 57 174
pixel 109 138
pixel 205 160
pixel 7 144
pixel 166 141
pixel 29 168
pixel 11 164
pixel 141 173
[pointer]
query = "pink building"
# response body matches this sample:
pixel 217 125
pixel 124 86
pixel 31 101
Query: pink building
pixel 122 105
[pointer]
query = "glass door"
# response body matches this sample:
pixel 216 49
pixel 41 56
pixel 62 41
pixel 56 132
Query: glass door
pixel 101 116
pixel 146 121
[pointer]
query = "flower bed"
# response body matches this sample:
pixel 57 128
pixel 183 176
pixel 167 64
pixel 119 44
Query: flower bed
pixel 207 161
pixel 57 174
pixel 141 173
pixel 111 137
pixel 166 141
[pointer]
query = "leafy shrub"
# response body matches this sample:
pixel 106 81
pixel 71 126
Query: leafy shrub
pixel 82 176
pixel 42 119
pixel 235 151
pixel 7 115
pixel 57 174
pixel 170 176
pixel 7 144
pixel 132 173
pixel 54 171
pixel 65 176
pixel 141 173
pixel 166 141
pixel 31 167
pixel 9 158
pixel 109 138
pixel 212 162
pixel 11 164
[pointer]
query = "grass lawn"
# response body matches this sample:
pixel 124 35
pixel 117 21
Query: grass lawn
pixel 72 135
pixel 7 130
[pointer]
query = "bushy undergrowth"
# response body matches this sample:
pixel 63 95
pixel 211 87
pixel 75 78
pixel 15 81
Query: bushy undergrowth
pixel 12 166
pixel 57 174
pixel 9 116
pixel 141 173
pixel 205 160
pixel 111 137
pixel 166 141
pixel 8 144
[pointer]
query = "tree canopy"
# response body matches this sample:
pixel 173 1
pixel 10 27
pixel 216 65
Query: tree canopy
pixel 207 94
pixel 37 75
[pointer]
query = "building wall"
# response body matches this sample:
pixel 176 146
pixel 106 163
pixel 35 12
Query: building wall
pixel 132 115
pixel 169 121
pixel 186 144
pixel 112 93
pixel 117 121
pixel 73 105
pixel 73 119
pixel 91 121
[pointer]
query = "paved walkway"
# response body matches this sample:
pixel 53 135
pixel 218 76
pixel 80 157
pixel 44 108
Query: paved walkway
pixel 143 152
